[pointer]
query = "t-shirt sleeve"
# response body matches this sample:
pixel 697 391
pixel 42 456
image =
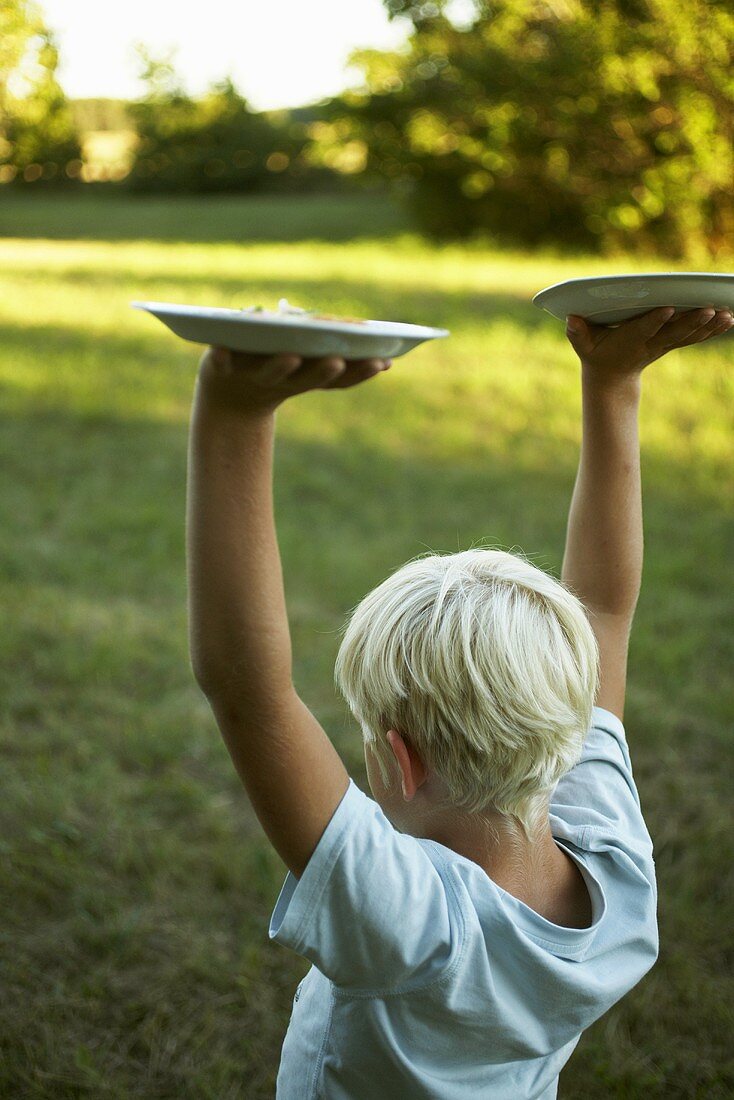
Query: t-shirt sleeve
pixel 370 910
pixel 599 798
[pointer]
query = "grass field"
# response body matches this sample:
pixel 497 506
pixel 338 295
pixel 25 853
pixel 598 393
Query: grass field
pixel 137 883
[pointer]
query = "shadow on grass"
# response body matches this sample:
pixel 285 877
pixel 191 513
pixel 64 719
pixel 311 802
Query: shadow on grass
pixel 141 897
pixel 203 219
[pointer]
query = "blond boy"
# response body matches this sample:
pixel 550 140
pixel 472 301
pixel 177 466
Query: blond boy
pixel 498 894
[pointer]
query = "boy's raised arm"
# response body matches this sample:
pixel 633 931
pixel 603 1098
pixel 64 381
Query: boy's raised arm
pixel 604 545
pixel 238 626
pixel 602 563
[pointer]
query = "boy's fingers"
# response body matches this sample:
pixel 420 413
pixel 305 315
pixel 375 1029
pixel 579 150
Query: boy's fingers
pixel 273 366
pixel 333 373
pixel 316 373
pixel 357 371
pixel 277 368
pixel 703 331
pixel 688 327
pixel 705 327
pixel 296 373
pixel 649 324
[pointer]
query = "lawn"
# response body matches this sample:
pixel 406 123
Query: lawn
pixel 138 884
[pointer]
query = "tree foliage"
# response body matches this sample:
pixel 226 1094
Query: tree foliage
pixel 214 143
pixel 38 141
pixel 100 113
pixel 585 123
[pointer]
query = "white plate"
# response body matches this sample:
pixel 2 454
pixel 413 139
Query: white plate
pixel 609 299
pixel 272 333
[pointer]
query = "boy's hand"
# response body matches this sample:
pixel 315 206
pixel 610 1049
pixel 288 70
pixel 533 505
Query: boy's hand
pixel 630 347
pixel 259 383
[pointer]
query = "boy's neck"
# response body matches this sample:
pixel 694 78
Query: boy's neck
pixel 500 851
pixel 538 873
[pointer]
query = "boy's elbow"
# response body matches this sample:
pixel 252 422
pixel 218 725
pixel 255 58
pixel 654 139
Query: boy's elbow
pixel 213 675
pixel 207 678
pixel 244 688
pixel 199 674
pixel 205 667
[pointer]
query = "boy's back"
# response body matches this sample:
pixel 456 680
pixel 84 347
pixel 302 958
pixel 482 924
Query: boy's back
pixel 429 980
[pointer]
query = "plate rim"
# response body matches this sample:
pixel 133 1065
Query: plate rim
pixel 654 275
pixel 226 313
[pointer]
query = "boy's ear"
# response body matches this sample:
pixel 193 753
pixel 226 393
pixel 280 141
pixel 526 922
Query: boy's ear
pixel 413 770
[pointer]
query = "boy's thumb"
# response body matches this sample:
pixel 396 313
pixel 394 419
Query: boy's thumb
pixel 578 333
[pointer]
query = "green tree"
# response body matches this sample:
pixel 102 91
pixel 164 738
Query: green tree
pixel 38 139
pixel 212 144
pixel 586 123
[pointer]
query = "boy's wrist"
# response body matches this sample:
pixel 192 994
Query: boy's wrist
pixel 618 386
pixel 217 395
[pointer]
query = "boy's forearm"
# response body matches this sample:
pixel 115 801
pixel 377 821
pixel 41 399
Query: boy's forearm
pixel 238 628
pixel 604 543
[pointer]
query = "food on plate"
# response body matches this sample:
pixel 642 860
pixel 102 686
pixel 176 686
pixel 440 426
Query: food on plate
pixel 284 309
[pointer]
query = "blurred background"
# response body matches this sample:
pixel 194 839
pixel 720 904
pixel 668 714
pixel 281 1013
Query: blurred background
pixel 436 163
pixel 600 125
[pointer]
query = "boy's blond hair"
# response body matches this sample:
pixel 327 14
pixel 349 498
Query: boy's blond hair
pixel 483 663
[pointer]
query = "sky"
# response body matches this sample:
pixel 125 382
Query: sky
pixel 280 53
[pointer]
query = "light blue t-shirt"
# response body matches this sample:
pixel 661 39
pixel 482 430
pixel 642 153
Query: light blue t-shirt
pixel 430 981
